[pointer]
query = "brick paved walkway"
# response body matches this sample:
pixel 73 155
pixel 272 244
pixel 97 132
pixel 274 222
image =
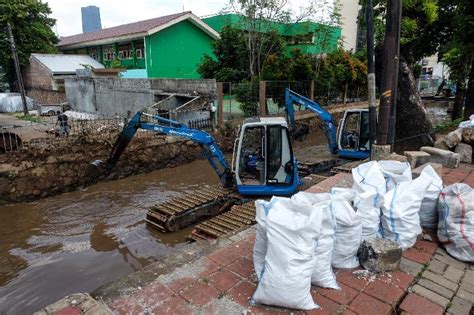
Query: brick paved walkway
pixel 429 280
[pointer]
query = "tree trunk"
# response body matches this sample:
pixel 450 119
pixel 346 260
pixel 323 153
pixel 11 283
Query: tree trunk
pixel 413 128
pixel 458 101
pixel 469 104
pixel 345 93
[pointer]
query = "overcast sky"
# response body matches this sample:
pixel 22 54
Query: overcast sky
pixel 117 12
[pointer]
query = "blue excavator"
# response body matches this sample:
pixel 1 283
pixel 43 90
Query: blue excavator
pixel 263 164
pixel 350 141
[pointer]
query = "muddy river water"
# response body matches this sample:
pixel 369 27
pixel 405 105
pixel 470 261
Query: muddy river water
pixel 78 241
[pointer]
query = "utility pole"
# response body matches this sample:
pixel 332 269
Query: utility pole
pixel 389 70
pixel 396 61
pixel 19 77
pixel 369 16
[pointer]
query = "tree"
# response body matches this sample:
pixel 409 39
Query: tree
pixel 31 26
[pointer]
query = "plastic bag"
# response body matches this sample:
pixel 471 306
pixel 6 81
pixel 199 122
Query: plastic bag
pixel 323 275
pixel 468 123
pixel 260 247
pixel 348 233
pixel 429 205
pixel 292 231
pixel 456 221
pixel 395 172
pixel 400 218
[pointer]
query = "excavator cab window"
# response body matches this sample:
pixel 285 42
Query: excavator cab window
pixel 279 156
pixel 252 156
pixel 355 132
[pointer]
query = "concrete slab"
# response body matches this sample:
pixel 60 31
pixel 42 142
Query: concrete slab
pixel 443 157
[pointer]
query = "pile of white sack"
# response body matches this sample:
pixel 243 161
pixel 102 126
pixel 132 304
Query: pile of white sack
pixel 300 239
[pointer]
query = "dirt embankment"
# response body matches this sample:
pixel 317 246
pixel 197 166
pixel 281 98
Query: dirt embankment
pixel 29 174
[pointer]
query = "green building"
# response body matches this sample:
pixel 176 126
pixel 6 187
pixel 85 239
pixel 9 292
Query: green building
pixel 170 46
pixel 310 37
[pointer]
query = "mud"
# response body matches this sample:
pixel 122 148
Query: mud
pixel 29 174
pixel 78 241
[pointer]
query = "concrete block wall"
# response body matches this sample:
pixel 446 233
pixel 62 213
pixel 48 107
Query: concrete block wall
pixel 110 96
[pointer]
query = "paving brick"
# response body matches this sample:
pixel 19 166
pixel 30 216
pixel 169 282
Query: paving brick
pixel 70 310
pixel 261 310
pixel 224 280
pixel 385 292
pixel 437 266
pixel 465 295
pixel 348 278
pixel 430 295
pixel 401 279
pixel 454 274
pixel 469 276
pixel 174 305
pixel 242 266
pixel 343 296
pixel 226 255
pixel 209 267
pixel 440 280
pixel 180 284
pixel 327 306
pixel 417 255
pixel 416 304
pixel 126 306
pixel 460 306
pixel 152 295
pixel 242 292
pixel 430 285
pixel 410 267
pixel 367 305
pixel 450 261
pixel 467 286
pixel 426 246
pixel 200 293
pixel 245 246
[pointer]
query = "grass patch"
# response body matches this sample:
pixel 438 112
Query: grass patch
pixel 448 126
pixel 32 118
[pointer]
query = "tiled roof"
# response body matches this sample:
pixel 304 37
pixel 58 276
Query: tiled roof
pixel 121 30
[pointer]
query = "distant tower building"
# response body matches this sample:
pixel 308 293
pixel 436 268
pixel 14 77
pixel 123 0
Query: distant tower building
pixel 90 19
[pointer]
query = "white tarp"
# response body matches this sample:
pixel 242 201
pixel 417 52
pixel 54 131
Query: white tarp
pixel 12 102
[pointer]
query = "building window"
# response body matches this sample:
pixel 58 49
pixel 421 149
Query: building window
pixel 125 51
pixel 109 53
pixel 94 53
pixel 140 49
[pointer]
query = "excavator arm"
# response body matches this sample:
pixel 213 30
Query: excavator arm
pixel 166 126
pixel 328 123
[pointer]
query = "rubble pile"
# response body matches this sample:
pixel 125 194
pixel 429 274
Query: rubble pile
pixel 459 141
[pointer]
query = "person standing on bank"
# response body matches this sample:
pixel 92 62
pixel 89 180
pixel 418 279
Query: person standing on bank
pixel 63 124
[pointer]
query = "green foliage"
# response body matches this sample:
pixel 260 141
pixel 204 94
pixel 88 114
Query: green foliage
pixel 31 26
pixel 448 126
pixel 32 118
pixel 247 94
pixel 116 64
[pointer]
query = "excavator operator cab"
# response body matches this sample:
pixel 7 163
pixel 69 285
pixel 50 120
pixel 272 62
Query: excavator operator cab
pixel 263 158
pixel 353 134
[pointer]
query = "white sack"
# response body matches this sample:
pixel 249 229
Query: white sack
pixel 292 232
pixel 429 205
pixel 323 275
pixel 456 221
pixel 395 172
pixel 400 218
pixel 369 177
pixel 348 234
pixel 368 210
pixel 260 247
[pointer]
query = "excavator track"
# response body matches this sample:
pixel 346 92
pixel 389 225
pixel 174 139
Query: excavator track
pixel 181 211
pixel 238 217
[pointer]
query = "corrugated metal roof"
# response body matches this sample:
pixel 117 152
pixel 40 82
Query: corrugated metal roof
pixel 66 64
pixel 121 30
